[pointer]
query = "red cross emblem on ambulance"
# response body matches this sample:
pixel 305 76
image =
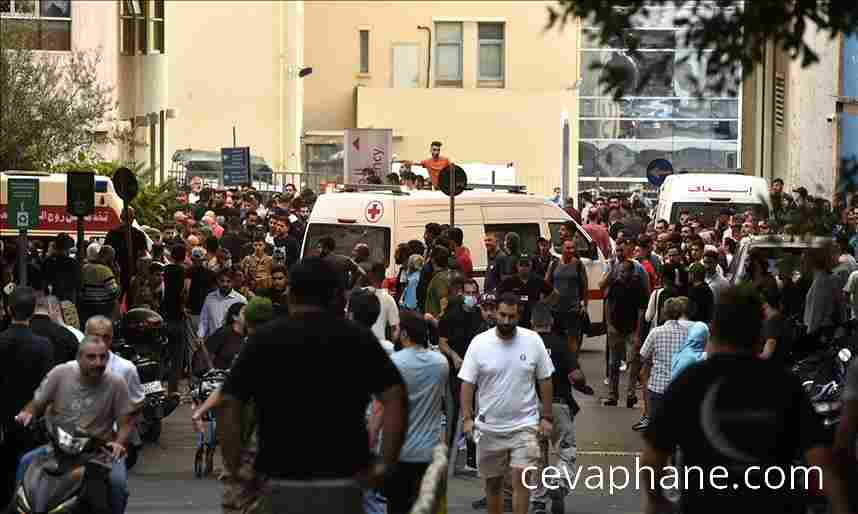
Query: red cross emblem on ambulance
pixel 374 211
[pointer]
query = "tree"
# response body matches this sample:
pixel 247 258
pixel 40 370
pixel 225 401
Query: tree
pixel 50 105
pixel 738 36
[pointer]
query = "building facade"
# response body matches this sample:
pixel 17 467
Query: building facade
pixel 678 114
pixel 185 73
pixel 484 78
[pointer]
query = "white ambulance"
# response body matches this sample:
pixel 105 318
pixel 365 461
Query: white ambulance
pixel 388 215
pixel 707 194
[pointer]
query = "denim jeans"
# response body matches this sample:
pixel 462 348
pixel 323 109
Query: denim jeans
pixel 118 479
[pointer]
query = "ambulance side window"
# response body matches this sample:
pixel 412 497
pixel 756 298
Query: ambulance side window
pixel 528 233
pixel 583 247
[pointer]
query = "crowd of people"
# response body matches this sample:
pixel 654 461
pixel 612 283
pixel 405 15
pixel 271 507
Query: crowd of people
pixel 369 361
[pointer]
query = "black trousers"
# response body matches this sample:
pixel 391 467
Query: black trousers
pixel 403 487
pixel 17 442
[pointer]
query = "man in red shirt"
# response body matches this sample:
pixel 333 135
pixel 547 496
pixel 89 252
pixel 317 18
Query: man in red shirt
pixel 437 163
pixel 598 233
pixel 460 252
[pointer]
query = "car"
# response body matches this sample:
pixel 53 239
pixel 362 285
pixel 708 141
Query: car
pixel 779 250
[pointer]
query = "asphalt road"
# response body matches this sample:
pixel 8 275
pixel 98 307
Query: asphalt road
pixel 163 480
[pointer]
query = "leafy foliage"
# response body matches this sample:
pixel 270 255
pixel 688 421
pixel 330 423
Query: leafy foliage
pixel 738 36
pixel 154 204
pixel 50 105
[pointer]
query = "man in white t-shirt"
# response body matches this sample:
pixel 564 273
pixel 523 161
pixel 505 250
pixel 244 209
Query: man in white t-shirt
pixel 102 327
pixel 389 316
pixel 505 364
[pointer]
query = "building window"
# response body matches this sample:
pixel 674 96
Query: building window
pixel 157 26
pixel 448 53
pixel 142 26
pixel 36 24
pixel 491 58
pixel 364 51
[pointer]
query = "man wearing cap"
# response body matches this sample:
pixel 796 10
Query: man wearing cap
pixel 528 287
pixel 801 199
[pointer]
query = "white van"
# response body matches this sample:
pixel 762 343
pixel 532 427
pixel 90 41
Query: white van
pixel 383 219
pixel 707 193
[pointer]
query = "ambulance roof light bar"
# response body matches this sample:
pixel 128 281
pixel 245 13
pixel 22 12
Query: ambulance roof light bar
pixel 711 171
pixel 359 188
pixel 517 189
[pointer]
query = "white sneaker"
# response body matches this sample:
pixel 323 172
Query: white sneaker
pixel 623 366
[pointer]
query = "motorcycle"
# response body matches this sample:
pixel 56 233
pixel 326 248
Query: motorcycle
pixel 821 363
pixel 142 341
pixel 68 478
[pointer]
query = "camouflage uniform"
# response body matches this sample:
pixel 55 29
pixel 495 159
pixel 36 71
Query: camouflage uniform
pixel 247 492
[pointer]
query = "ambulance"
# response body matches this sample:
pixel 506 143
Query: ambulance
pixel 384 216
pixel 53 218
pixel 707 194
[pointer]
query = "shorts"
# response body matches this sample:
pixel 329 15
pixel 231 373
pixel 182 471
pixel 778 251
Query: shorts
pixel 497 453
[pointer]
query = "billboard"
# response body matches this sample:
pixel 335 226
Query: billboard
pixel 367 153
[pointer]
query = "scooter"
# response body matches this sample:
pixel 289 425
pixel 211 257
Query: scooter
pixel 67 479
pixel 142 342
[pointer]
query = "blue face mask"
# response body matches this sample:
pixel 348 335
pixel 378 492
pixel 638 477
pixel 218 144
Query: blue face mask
pixel 470 301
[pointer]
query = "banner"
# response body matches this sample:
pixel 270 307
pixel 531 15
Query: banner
pixel 367 153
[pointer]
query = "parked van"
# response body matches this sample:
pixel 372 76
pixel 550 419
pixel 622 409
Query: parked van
pixel 53 218
pixel 383 219
pixel 707 194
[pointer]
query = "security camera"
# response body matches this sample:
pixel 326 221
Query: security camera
pixel 831 118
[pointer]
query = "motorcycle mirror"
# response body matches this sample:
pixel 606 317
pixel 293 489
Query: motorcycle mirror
pixel 845 355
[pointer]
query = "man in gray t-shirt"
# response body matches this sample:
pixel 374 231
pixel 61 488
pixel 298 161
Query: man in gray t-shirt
pixel 83 394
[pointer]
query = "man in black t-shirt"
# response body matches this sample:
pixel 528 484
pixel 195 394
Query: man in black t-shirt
pixel 116 238
pixel 329 451
pixel 735 418
pixel 202 283
pixel 529 287
pixel 282 239
pixel 777 340
pixel 60 270
pixel 176 286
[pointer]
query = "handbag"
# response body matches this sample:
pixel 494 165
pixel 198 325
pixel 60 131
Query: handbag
pixel 586 325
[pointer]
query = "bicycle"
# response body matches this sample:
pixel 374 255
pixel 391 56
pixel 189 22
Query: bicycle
pixel 206 445
pixel 207 441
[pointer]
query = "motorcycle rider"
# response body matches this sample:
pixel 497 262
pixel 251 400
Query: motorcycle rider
pixel 101 327
pixel 84 394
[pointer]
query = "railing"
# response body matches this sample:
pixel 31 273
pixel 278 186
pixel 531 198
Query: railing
pixel 433 488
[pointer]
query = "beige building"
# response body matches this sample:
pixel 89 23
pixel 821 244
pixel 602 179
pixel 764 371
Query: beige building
pixel 186 72
pixel 491 85
pixel 483 77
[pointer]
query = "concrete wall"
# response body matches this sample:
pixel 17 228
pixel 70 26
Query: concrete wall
pixel 525 131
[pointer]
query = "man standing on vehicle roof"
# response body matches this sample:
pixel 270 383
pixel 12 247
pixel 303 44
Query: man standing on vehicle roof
pixel 437 163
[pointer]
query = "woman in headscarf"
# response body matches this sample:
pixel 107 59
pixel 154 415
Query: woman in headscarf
pixel 692 351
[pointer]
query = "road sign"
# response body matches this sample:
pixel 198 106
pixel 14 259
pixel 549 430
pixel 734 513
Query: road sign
pixel 366 149
pixel 236 166
pixel 460 179
pixel 24 203
pixel 80 193
pixel 657 170
pixel 125 184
